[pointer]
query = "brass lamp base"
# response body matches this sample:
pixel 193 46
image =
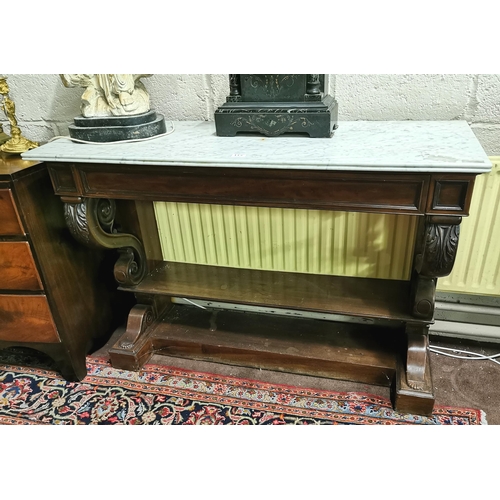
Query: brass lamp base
pixel 18 145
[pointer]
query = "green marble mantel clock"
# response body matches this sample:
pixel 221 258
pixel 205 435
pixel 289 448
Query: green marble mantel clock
pixel 273 105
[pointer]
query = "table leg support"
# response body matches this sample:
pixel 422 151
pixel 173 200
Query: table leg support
pixel 135 346
pixel 413 391
pixel 435 252
pixel 417 356
pixel 132 350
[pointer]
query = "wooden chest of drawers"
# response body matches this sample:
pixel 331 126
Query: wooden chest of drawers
pixel 52 295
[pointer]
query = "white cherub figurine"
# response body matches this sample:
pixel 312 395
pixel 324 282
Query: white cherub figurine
pixel 110 95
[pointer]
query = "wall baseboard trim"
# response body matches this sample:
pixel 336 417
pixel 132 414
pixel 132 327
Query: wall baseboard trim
pixel 468 331
pixel 470 317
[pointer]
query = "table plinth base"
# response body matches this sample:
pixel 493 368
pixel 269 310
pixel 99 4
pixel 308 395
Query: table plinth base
pixel 345 351
pixel 408 400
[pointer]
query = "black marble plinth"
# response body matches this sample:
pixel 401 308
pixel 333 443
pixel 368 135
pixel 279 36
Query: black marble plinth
pixel 117 128
pixel 277 104
pixel 315 119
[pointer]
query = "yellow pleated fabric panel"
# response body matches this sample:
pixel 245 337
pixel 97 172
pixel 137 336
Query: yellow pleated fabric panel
pixel 307 241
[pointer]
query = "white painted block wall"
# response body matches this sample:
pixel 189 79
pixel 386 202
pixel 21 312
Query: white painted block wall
pixel 45 107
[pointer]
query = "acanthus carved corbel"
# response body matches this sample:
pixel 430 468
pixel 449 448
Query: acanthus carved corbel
pixel 441 244
pixel 91 223
pixel 434 259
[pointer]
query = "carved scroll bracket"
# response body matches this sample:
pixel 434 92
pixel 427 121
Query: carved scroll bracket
pixel 417 356
pixel 140 318
pixel 91 223
pixel 434 258
pixel 440 247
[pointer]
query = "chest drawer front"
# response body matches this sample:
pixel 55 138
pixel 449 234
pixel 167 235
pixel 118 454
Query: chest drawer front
pixel 17 267
pixel 10 224
pixel 26 318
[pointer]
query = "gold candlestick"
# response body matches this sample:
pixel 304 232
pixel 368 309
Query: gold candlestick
pixel 17 142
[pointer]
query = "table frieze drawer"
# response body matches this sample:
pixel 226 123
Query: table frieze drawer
pixel 271 188
pixel 18 267
pixel 26 318
pixel 10 223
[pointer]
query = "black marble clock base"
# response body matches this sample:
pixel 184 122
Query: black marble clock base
pixel 314 118
pixel 117 128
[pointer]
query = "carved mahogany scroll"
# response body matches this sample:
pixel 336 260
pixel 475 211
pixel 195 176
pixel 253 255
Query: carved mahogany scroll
pixel 441 244
pixel 140 318
pixel 416 360
pixel 435 253
pixel 91 223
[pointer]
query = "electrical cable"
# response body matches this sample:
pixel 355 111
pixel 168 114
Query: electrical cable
pixel 193 303
pixel 471 355
pixel 114 142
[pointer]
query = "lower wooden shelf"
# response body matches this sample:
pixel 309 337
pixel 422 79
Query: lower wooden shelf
pixel 359 297
pixel 346 351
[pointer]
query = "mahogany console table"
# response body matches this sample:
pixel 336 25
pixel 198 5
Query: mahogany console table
pixel 425 169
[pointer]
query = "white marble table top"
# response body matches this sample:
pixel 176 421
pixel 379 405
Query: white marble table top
pixel 397 146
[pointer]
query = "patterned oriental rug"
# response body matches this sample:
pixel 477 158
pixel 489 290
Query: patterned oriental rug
pixel 162 395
